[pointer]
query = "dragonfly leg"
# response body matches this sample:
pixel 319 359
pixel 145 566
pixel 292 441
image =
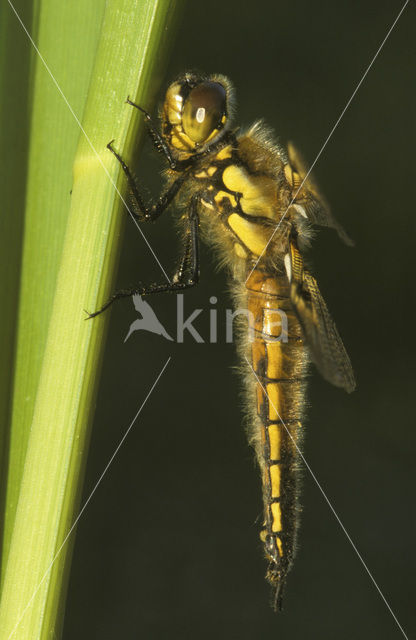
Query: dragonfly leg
pixel 143 212
pixel 186 276
pixel 158 141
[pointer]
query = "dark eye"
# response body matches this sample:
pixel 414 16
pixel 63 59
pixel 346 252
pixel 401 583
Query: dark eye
pixel 204 109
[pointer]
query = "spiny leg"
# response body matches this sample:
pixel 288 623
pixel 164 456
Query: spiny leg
pixel 187 274
pixel 184 263
pixel 190 260
pixel 148 213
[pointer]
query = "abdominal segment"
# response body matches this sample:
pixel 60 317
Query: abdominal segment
pixel 276 353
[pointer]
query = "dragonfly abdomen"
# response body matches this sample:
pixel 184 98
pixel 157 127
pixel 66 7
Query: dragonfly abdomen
pixel 277 354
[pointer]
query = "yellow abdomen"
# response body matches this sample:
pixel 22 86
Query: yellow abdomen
pixel 277 356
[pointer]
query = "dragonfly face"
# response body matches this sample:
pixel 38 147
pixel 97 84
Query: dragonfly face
pixel 194 114
pixel 256 204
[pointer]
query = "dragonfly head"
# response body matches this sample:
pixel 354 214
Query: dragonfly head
pixel 195 112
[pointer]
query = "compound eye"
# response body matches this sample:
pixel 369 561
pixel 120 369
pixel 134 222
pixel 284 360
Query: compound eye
pixel 203 111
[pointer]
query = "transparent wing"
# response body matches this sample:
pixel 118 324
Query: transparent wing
pixel 320 333
pixel 316 207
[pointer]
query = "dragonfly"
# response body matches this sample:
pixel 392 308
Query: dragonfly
pixel 256 204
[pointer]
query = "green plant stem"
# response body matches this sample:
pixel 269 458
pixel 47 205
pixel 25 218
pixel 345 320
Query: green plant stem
pixel 129 51
pixel 54 136
pixel 14 126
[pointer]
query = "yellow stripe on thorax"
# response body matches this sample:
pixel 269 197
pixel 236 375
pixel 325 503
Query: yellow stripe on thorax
pixel 259 193
pixel 252 235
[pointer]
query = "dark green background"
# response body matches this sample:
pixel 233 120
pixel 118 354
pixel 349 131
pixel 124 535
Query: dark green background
pixel 168 546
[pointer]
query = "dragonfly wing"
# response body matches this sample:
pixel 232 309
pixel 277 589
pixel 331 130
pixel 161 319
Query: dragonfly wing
pixel 316 207
pixel 320 333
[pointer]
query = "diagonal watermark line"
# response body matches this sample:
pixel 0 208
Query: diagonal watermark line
pixel 329 503
pixel 330 134
pixel 45 64
pixel 89 498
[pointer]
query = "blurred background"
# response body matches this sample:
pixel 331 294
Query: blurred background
pixel 168 546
